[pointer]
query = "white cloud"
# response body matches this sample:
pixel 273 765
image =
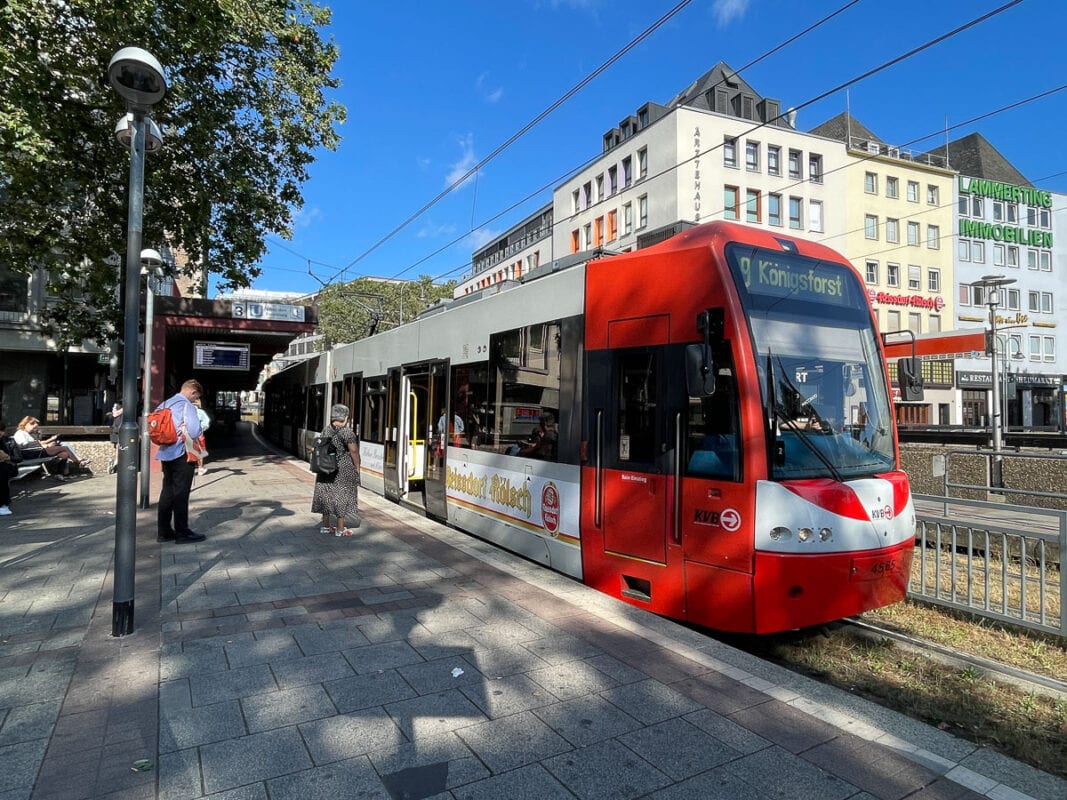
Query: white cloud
pixel 433 231
pixel 466 161
pixel 726 11
pixel 489 95
pixel 305 217
pixel 482 237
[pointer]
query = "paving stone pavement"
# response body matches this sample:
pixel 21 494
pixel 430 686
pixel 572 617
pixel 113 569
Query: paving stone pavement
pixel 408 661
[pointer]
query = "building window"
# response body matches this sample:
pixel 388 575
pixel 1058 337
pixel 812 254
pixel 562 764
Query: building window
pixel 915 323
pixel 794 164
pixel 815 215
pixel 977 209
pixel 1013 255
pixel 871 275
pixel 642 163
pixel 628 218
pixel 913 191
pixel 598 232
pixel 892 187
pixel 932 195
pixel 752 206
pixel 915 277
pixel 588 231
pixel 576 201
pixel 752 156
pixel 642 211
pixel 600 187
pixel 998 211
pixel 796 213
pixel 870 226
pixel 892 230
pixel 774 209
pixel 587 195
pixel 575 241
pixel 933 237
pixel 613 225
pixel 774 159
pixel 935 323
pixel 613 180
pixel 627 172
pixel 1013 212
pixel 892 275
pixel 814 168
pixel 892 321
pixel 978 252
pixel 1012 301
pixel 913 234
pixel 998 255
pixel 870 182
pixel 933 280
pixel 729 202
pixel 729 152
pixel 963 250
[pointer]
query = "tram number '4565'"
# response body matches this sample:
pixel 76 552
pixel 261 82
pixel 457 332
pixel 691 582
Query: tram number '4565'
pixel 882 568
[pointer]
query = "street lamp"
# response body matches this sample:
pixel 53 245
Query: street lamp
pixel 992 284
pixel 139 80
pixel 151 261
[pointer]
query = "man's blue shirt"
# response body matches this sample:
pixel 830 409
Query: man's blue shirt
pixel 184 412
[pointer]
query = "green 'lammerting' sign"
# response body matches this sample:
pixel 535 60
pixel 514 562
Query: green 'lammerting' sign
pixel 1005 191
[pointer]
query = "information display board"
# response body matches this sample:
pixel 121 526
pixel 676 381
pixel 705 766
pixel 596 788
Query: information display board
pixel 221 355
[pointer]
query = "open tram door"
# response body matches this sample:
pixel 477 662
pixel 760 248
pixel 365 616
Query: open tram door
pixel 413 463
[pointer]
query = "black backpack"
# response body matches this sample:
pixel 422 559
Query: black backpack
pixel 324 454
pixel 11 447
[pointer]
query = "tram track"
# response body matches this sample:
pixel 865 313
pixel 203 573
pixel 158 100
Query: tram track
pixel 992 670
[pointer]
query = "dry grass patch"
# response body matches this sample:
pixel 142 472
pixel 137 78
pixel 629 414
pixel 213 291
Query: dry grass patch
pixel 1024 725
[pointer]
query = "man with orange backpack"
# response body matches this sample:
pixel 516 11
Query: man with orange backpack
pixel 178 469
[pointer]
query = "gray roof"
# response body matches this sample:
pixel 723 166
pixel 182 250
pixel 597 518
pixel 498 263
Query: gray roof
pixel 974 156
pixel 842 126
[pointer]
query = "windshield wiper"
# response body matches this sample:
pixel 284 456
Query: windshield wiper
pixel 780 415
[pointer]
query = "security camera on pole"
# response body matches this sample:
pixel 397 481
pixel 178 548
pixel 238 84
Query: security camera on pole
pixel 139 80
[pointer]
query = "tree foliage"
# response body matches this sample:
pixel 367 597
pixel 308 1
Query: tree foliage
pixel 352 311
pixel 246 108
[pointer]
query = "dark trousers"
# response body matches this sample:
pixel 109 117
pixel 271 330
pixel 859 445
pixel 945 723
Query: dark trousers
pixel 174 496
pixel 7 472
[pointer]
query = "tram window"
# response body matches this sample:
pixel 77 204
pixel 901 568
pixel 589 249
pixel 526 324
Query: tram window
pixel 637 394
pixel 316 407
pixel 714 450
pixel 470 390
pixel 524 383
pixel 373 421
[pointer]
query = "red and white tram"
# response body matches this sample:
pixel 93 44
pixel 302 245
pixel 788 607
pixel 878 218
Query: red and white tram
pixel 702 428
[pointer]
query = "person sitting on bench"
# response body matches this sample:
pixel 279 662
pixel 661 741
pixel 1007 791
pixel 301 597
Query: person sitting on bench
pixel 28 437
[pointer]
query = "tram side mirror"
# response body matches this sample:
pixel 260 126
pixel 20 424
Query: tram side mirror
pixel 699 370
pixel 910 379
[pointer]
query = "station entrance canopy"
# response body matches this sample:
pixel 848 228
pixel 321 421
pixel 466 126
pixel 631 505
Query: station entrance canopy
pixel 223 344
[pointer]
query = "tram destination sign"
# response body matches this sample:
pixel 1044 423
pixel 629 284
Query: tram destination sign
pixel 782 275
pixel 220 355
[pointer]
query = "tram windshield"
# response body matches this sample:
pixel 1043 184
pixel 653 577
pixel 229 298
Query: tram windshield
pixel 826 400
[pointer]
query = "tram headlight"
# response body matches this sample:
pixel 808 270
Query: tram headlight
pixel 781 533
pixel 805 534
pixel 825 534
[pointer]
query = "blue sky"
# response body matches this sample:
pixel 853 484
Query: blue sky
pixel 433 88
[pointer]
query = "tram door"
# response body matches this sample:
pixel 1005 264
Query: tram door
pixel 628 401
pixel 414 464
pixel 393 470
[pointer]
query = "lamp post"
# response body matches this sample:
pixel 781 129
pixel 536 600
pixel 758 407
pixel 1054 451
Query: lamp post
pixel 139 80
pixel 151 261
pixel 992 284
